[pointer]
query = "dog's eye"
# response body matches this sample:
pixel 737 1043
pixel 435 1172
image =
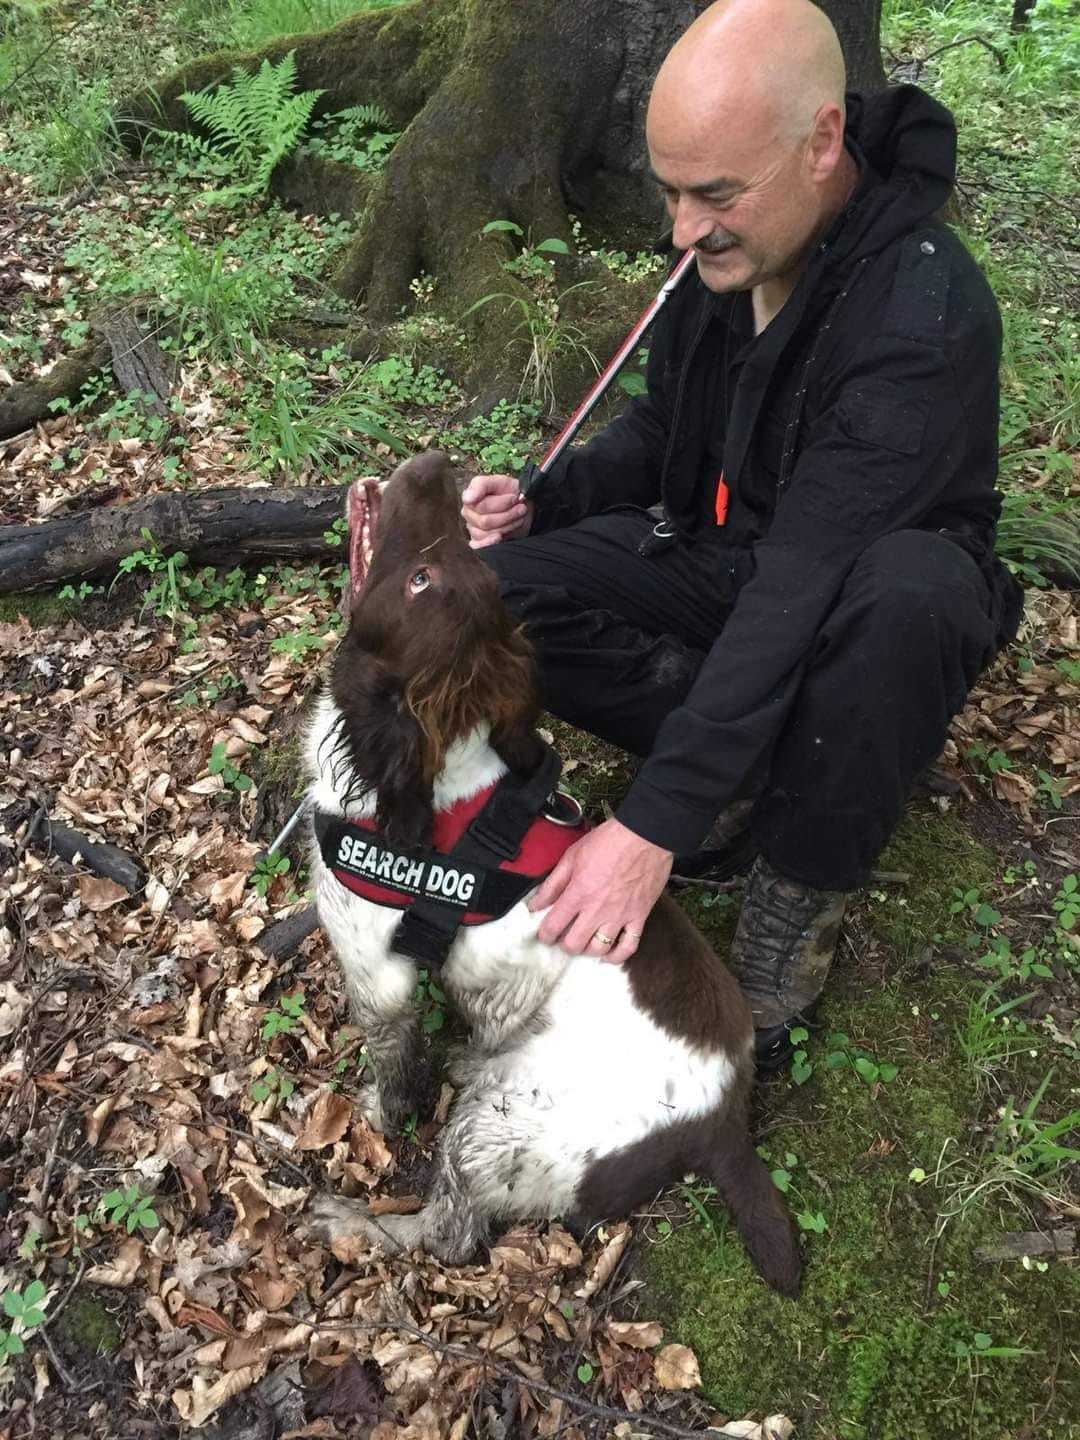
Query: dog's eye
pixel 419 582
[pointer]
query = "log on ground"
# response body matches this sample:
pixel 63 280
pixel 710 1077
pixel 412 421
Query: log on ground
pixel 227 526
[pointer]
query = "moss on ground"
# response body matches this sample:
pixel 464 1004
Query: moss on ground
pixel 882 1343
pixel 41 610
pixel 89 1327
pixel 940 857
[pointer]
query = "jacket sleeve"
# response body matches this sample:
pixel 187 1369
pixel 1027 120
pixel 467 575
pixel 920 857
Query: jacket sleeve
pixel 622 465
pixel 888 436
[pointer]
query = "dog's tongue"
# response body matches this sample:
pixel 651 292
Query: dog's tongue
pixel 363 519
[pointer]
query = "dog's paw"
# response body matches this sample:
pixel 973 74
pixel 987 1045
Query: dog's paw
pixel 331 1218
pixel 369 1103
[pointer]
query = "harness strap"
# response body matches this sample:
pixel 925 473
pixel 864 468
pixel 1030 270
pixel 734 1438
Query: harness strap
pixel 427 929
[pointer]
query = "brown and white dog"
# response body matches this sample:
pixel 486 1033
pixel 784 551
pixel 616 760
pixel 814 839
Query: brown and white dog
pixel 585 1088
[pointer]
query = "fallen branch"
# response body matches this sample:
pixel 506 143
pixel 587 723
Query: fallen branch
pixel 137 359
pixel 102 859
pixel 23 404
pixel 282 939
pixel 225 526
pixel 1018 1244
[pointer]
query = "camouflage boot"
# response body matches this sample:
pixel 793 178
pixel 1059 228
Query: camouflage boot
pixel 784 944
pixel 728 849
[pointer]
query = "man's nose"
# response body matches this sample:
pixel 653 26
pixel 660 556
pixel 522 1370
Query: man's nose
pixel 692 222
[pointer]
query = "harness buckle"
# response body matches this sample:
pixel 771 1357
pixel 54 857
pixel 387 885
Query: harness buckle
pixel 562 808
pixel 660 537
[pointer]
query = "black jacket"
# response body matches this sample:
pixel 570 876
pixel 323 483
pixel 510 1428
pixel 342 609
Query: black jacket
pixel 868 405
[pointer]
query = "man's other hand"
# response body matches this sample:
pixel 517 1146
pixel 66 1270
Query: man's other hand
pixel 493 510
pixel 602 890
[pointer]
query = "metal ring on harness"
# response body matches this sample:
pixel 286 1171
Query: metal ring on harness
pixel 664 529
pixel 563 798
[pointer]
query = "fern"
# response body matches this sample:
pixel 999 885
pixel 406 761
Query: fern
pixel 254 121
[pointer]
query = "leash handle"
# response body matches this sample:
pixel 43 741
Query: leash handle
pixel 531 473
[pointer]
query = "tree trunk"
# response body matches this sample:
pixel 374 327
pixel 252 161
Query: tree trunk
pixel 523 112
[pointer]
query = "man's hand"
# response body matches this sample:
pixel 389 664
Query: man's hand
pixel 493 510
pixel 602 889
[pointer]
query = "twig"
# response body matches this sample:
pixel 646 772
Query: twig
pixel 920 60
pixel 267 1145
pixel 65 1378
pixel 50 1319
pixel 551 1392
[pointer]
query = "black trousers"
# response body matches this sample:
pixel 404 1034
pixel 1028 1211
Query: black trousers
pixel 620 639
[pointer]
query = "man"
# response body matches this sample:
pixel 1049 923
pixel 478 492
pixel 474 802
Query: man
pixel 785 649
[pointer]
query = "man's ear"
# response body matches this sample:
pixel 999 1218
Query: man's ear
pixel 384 747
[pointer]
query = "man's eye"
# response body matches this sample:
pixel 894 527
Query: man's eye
pixel 419 581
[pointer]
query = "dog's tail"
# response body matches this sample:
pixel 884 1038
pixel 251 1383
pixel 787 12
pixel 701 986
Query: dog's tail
pixel 757 1207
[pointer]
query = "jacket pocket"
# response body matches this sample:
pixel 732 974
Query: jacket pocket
pixel 881 413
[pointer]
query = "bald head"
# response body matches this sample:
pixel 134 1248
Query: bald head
pixel 767 63
pixel 746 138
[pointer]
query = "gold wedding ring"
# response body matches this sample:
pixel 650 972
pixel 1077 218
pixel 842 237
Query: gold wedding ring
pixel 602 938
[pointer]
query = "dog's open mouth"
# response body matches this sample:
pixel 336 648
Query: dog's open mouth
pixel 364 500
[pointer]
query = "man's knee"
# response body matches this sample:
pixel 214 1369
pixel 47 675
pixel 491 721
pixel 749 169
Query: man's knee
pixel 919 576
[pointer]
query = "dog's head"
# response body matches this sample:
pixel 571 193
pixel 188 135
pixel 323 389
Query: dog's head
pixel 430 652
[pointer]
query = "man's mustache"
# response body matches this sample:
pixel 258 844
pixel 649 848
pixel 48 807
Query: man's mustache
pixel 714 242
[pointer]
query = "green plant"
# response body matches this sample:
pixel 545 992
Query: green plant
pixel 431 1002
pixel 801 1065
pixel 267 870
pixel 1025 1156
pixel 26 1310
pixel 406 383
pixel 78 139
pixel 283 1019
pixel 1032 534
pixel 982 1344
pixel 360 135
pixel 297 428
pixel 540 307
pixel 843 1055
pixel 274 1083
pixel 1067 903
pixel 252 23
pixel 502 439
pixel 231 774
pixel 129 1207
pixel 986 1036
pixel 254 121
pixel 783 1179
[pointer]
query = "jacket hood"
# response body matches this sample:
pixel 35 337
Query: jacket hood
pixel 908 140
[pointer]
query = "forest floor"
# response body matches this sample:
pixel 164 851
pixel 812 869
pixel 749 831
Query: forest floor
pixel 170 1095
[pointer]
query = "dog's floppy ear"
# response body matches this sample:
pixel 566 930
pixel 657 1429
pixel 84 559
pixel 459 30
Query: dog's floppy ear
pixel 385 749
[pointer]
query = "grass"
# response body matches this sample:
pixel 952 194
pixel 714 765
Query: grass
pixel 874 1348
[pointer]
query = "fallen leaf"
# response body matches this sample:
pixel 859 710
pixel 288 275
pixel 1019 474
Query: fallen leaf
pixel 395 1204
pixel 98 893
pixel 641 1334
pixel 195 1406
pixel 327 1121
pixel 677 1368
pixel 122 1269
pixel 605 1263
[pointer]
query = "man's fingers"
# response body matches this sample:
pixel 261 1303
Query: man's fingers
pixel 554 884
pixel 475 544
pixel 493 504
pixel 621 952
pixel 483 520
pixel 482 487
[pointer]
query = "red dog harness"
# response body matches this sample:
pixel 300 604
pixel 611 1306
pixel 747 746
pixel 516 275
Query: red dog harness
pixel 487 852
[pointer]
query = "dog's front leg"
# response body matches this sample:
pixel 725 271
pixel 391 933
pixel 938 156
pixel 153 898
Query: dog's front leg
pixel 381 1002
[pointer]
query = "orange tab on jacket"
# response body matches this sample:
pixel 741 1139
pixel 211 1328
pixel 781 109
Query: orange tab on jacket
pixel 723 495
